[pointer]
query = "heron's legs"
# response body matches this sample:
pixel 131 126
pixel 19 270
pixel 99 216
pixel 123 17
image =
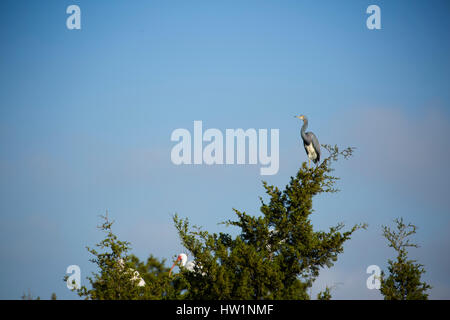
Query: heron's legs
pixel 309 163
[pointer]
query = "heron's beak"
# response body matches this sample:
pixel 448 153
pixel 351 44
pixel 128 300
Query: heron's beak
pixel 174 264
pixel 299 117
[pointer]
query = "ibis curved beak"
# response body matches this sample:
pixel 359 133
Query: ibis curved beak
pixel 174 264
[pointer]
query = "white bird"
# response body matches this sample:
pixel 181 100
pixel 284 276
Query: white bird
pixel 136 275
pixel 182 260
pixel 272 235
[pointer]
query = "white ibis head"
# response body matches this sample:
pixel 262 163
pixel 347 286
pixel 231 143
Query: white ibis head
pixel 182 259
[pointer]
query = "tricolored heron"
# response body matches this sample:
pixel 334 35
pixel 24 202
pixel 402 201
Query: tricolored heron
pixel 310 142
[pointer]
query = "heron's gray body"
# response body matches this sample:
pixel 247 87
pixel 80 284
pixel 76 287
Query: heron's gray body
pixel 310 142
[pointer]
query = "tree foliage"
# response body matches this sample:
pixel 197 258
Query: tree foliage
pixel 324 295
pixel 277 254
pixel 120 272
pixel 404 279
pixel 29 296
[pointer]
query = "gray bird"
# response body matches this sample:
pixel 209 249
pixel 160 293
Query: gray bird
pixel 310 142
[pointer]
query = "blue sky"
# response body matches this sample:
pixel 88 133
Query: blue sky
pixel 86 117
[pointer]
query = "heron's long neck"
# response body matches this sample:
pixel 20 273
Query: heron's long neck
pixel 305 125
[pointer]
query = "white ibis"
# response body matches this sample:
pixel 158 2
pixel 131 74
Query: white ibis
pixel 182 260
pixel 136 275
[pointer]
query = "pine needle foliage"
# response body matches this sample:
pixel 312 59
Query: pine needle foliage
pixel 119 273
pixel 277 254
pixel 403 281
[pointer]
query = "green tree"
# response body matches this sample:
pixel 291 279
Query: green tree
pixel 324 295
pixel 53 296
pixel 277 255
pixel 120 273
pixel 29 296
pixel 404 279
